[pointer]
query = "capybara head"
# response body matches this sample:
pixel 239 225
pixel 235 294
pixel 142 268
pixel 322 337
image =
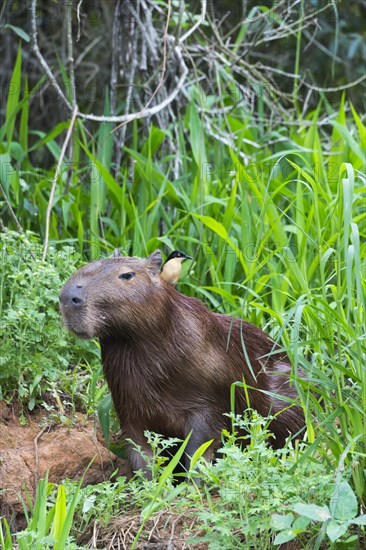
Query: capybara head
pixel 111 295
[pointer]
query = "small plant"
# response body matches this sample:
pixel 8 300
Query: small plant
pixel 5 535
pixel 288 527
pixel 49 520
pixel 336 519
pixel 162 448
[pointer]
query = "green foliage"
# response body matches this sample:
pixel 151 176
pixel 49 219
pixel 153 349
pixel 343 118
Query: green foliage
pixel 337 518
pixel 49 520
pixel 237 496
pixel 253 484
pixel 35 350
pixel 109 422
pixel 5 535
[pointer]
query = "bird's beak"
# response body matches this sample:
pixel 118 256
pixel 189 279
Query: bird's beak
pixel 188 257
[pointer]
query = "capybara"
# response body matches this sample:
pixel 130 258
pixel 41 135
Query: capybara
pixel 169 361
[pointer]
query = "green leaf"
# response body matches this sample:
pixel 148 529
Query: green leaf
pixel 350 140
pixel 6 541
pixel 6 171
pixel 103 414
pixel 167 472
pixel 199 452
pixel 18 31
pixel 105 138
pixel 60 514
pixel 335 529
pixel 312 511
pixel 197 137
pixel 301 523
pixel 16 151
pixel 46 138
pixel 65 531
pixel 74 208
pixel 284 536
pixel 343 503
pixel 155 178
pixel 220 230
pixel 360 126
pixel 361 520
pixel 111 183
pixel 280 522
pixel 13 96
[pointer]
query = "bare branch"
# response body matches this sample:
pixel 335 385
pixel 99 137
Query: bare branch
pixel 40 57
pixel 70 51
pixel 150 111
pixel 160 83
pixel 55 178
pixel 114 64
pixel 70 63
pixel 126 118
pixel 197 24
pixel 35 441
pixel 336 88
pixel 143 28
pixel 79 22
pixel 12 213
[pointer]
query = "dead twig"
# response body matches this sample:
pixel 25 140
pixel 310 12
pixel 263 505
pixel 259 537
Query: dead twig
pixel 70 51
pixel 79 22
pixel 160 83
pixel 70 63
pixel 12 213
pixel 36 439
pixel 197 24
pixel 41 59
pixel 55 178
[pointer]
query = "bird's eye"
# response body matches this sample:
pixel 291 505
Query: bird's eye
pixel 126 276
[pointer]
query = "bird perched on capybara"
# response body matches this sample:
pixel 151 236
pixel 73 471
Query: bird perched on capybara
pixel 169 361
pixel 172 267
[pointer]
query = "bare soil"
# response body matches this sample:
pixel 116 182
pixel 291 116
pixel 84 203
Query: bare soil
pixel 65 450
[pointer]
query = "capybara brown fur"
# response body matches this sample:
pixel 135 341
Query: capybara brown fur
pixel 169 361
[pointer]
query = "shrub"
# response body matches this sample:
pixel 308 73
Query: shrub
pixel 34 347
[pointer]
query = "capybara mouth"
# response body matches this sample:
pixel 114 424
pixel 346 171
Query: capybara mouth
pixel 76 325
pixel 78 331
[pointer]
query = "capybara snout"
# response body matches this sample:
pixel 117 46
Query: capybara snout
pixel 170 362
pixel 72 296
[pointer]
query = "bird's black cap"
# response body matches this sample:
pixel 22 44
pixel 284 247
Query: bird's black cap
pixel 178 254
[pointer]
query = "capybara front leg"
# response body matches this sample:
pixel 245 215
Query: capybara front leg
pixel 137 455
pixel 201 430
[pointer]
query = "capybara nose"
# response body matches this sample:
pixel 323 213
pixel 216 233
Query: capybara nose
pixel 72 296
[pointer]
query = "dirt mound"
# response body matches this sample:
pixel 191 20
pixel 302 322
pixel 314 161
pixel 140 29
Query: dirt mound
pixel 64 449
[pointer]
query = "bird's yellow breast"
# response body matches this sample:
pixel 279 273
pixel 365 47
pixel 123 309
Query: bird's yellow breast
pixel 172 270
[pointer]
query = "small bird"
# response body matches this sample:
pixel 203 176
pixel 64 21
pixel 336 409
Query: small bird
pixel 172 267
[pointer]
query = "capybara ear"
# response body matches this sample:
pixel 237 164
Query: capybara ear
pixel 116 253
pixel 154 261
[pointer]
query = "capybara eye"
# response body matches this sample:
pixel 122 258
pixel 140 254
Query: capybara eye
pixel 126 276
